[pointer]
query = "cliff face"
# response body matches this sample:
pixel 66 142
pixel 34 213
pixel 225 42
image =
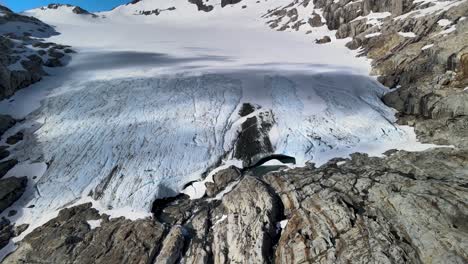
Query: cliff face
pixel 402 208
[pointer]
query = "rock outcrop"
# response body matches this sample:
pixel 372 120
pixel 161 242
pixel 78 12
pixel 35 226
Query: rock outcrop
pixel 404 208
pixel 24 53
pixel 11 190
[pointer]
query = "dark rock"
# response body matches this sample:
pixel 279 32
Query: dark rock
pixel 69 239
pixel 11 190
pixel 4 153
pixel 53 63
pixel 201 5
pixel 12 140
pixel 221 179
pixel 253 140
pixel 20 229
pixel 55 54
pixel 323 40
pixel 229 2
pixel 246 109
pixel 12 213
pixel 6 122
pixel 6 232
pixel 315 20
pixel 7 165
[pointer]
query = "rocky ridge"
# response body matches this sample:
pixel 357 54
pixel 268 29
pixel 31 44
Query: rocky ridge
pixel 24 52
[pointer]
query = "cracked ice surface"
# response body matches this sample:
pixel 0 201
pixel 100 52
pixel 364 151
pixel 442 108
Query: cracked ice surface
pixel 135 138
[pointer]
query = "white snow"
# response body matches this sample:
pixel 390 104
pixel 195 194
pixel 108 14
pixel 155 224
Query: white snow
pixel 371 35
pixel 222 218
pixel 407 34
pixel 444 22
pixel 375 19
pixel 448 30
pixel 150 104
pixel 94 223
pixel 428 46
pixel 339 163
pixel 283 223
pixel 27 169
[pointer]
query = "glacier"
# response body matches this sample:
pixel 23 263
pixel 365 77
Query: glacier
pixel 151 103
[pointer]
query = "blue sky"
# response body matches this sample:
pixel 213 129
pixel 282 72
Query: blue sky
pixel 90 5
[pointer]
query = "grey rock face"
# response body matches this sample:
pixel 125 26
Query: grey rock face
pixel 6 122
pixel 11 190
pixel 229 2
pixel 6 232
pixel 7 165
pixel 404 208
pixel 201 5
pixel 221 180
pixel 253 141
pixel 325 39
pixel 315 21
pixel 69 239
pixel 17 70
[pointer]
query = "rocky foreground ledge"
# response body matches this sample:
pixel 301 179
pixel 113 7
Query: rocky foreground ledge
pixel 404 208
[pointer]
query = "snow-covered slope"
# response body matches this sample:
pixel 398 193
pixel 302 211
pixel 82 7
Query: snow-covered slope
pixel 151 102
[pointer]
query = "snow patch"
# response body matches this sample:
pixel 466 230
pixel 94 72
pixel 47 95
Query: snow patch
pixel 428 46
pixel 221 219
pixel 371 35
pixel 374 18
pixel 444 22
pixel 448 30
pixel 94 223
pixel 407 34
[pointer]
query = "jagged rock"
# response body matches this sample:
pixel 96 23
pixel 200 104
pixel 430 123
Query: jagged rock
pixel 69 239
pixel 201 6
pixel 20 229
pixel 15 51
pixel 7 165
pixel 11 190
pixel 253 141
pixel 12 213
pixel 6 122
pixel 172 247
pixel 315 20
pixel 6 232
pixel 53 63
pixel 229 2
pixel 15 138
pixel 323 40
pixel 55 54
pixel 371 210
pixel 247 232
pixel 221 179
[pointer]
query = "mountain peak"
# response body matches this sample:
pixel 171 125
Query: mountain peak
pixel 75 9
